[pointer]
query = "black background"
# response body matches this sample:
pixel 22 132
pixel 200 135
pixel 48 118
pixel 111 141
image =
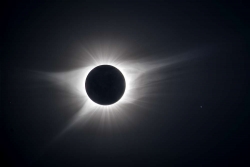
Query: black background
pixel 174 129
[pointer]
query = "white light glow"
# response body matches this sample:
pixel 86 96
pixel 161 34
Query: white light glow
pixel 141 75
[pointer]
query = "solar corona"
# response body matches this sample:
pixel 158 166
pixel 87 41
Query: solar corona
pixel 109 85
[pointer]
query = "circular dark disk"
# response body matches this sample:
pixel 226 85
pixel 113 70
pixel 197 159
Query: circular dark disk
pixel 105 84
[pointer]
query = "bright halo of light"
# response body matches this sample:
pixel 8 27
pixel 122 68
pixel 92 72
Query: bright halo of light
pixel 131 71
pixel 141 75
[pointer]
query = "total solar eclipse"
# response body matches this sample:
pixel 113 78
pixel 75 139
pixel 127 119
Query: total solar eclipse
pixel 105 85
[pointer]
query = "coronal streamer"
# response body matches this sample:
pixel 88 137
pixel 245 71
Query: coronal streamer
pixel 141 75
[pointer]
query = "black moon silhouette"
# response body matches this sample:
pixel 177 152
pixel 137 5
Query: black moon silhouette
pixel 105 85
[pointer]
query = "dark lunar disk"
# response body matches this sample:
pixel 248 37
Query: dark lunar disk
pixel 105 84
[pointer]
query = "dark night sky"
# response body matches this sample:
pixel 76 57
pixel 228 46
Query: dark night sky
pixel 174 130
